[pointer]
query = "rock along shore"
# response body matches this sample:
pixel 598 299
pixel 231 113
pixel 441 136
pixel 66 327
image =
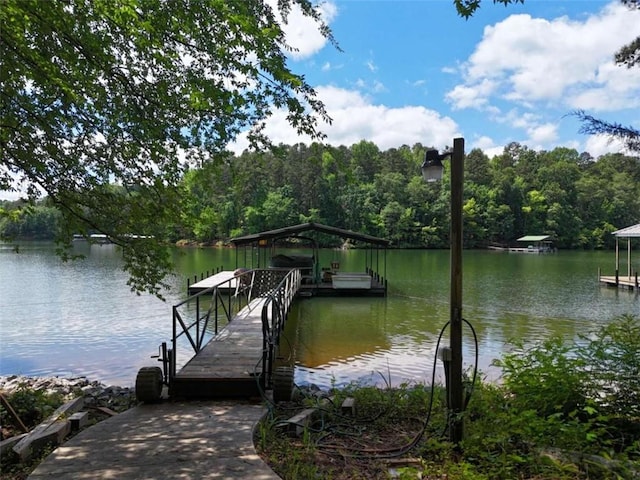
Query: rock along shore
pixel 95 394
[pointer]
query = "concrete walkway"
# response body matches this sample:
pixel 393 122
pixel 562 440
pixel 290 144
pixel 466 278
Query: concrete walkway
pixel 182 440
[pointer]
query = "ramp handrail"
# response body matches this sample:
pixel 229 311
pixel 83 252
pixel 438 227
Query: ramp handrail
pixel 274 315
pixel 221 306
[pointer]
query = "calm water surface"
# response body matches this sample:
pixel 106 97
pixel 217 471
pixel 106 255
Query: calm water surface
pixel 80 318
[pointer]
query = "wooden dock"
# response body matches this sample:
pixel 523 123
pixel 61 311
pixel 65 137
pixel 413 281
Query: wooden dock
pixel 230 364
pixel 217 279
pixel 622 281
pixel 307 289
pixel 238 360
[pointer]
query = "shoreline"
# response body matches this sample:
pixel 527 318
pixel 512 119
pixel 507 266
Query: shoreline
pixel 64 385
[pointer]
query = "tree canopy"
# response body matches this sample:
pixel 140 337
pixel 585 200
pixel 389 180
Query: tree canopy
pixel 105 103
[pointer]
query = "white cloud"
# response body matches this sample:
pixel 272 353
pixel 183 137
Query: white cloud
pixel 378 86
pixel 476 96
pixel 355 118
pixel 543 134
pixel 598 145
pixel 12 196
pixel 616 88
pixel 329 67
pixel 487 145
pixel 561 60
pixel 374 86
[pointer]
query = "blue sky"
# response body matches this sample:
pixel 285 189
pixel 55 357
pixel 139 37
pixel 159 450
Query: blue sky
pixel 414 71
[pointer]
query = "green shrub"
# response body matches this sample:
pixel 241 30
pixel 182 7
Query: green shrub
pixel 32 406
pixel 612 361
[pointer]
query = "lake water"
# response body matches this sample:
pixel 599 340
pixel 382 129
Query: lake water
pixel 80 318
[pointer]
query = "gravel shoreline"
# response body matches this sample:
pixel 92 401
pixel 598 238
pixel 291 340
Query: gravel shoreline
pixel 96 394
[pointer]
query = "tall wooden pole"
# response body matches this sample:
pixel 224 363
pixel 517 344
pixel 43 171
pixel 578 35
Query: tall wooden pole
pixel 456 392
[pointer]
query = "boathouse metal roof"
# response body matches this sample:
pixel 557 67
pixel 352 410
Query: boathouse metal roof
pixel 632 231
pixel 534 238
pixel 305 227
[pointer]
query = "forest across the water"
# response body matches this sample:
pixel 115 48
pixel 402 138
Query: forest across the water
pixel 576 199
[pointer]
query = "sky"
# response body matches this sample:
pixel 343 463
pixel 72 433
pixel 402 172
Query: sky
pixel 412 71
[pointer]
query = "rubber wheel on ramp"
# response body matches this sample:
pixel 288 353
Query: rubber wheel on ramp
pixel 149 384
pixel 282 384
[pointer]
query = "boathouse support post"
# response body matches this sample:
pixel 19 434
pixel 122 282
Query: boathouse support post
pixel 617 261
pixel 629 257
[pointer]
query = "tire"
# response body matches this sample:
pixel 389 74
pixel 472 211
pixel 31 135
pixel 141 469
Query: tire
pixel 149 384
pixel 282 384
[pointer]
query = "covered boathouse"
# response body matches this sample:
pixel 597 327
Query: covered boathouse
pixel 269 250
pixel 535 244
pixel 628 279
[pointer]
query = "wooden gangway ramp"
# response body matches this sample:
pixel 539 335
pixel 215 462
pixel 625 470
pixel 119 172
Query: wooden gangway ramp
pixel 238 359
pixel 229 364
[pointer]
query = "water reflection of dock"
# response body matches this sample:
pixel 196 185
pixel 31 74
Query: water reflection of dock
pixel 345 329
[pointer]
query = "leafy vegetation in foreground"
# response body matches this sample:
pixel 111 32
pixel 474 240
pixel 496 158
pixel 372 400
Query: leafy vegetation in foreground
pixel 563 411
pixel 32 407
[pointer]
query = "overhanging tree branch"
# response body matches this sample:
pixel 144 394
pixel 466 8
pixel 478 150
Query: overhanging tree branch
pixel 594 126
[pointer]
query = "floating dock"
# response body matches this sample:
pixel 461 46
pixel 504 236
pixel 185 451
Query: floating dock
pixel 621 281
pixel 225 277
pixel 350 284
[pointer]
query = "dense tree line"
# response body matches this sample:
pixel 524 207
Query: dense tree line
pixel 572 197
